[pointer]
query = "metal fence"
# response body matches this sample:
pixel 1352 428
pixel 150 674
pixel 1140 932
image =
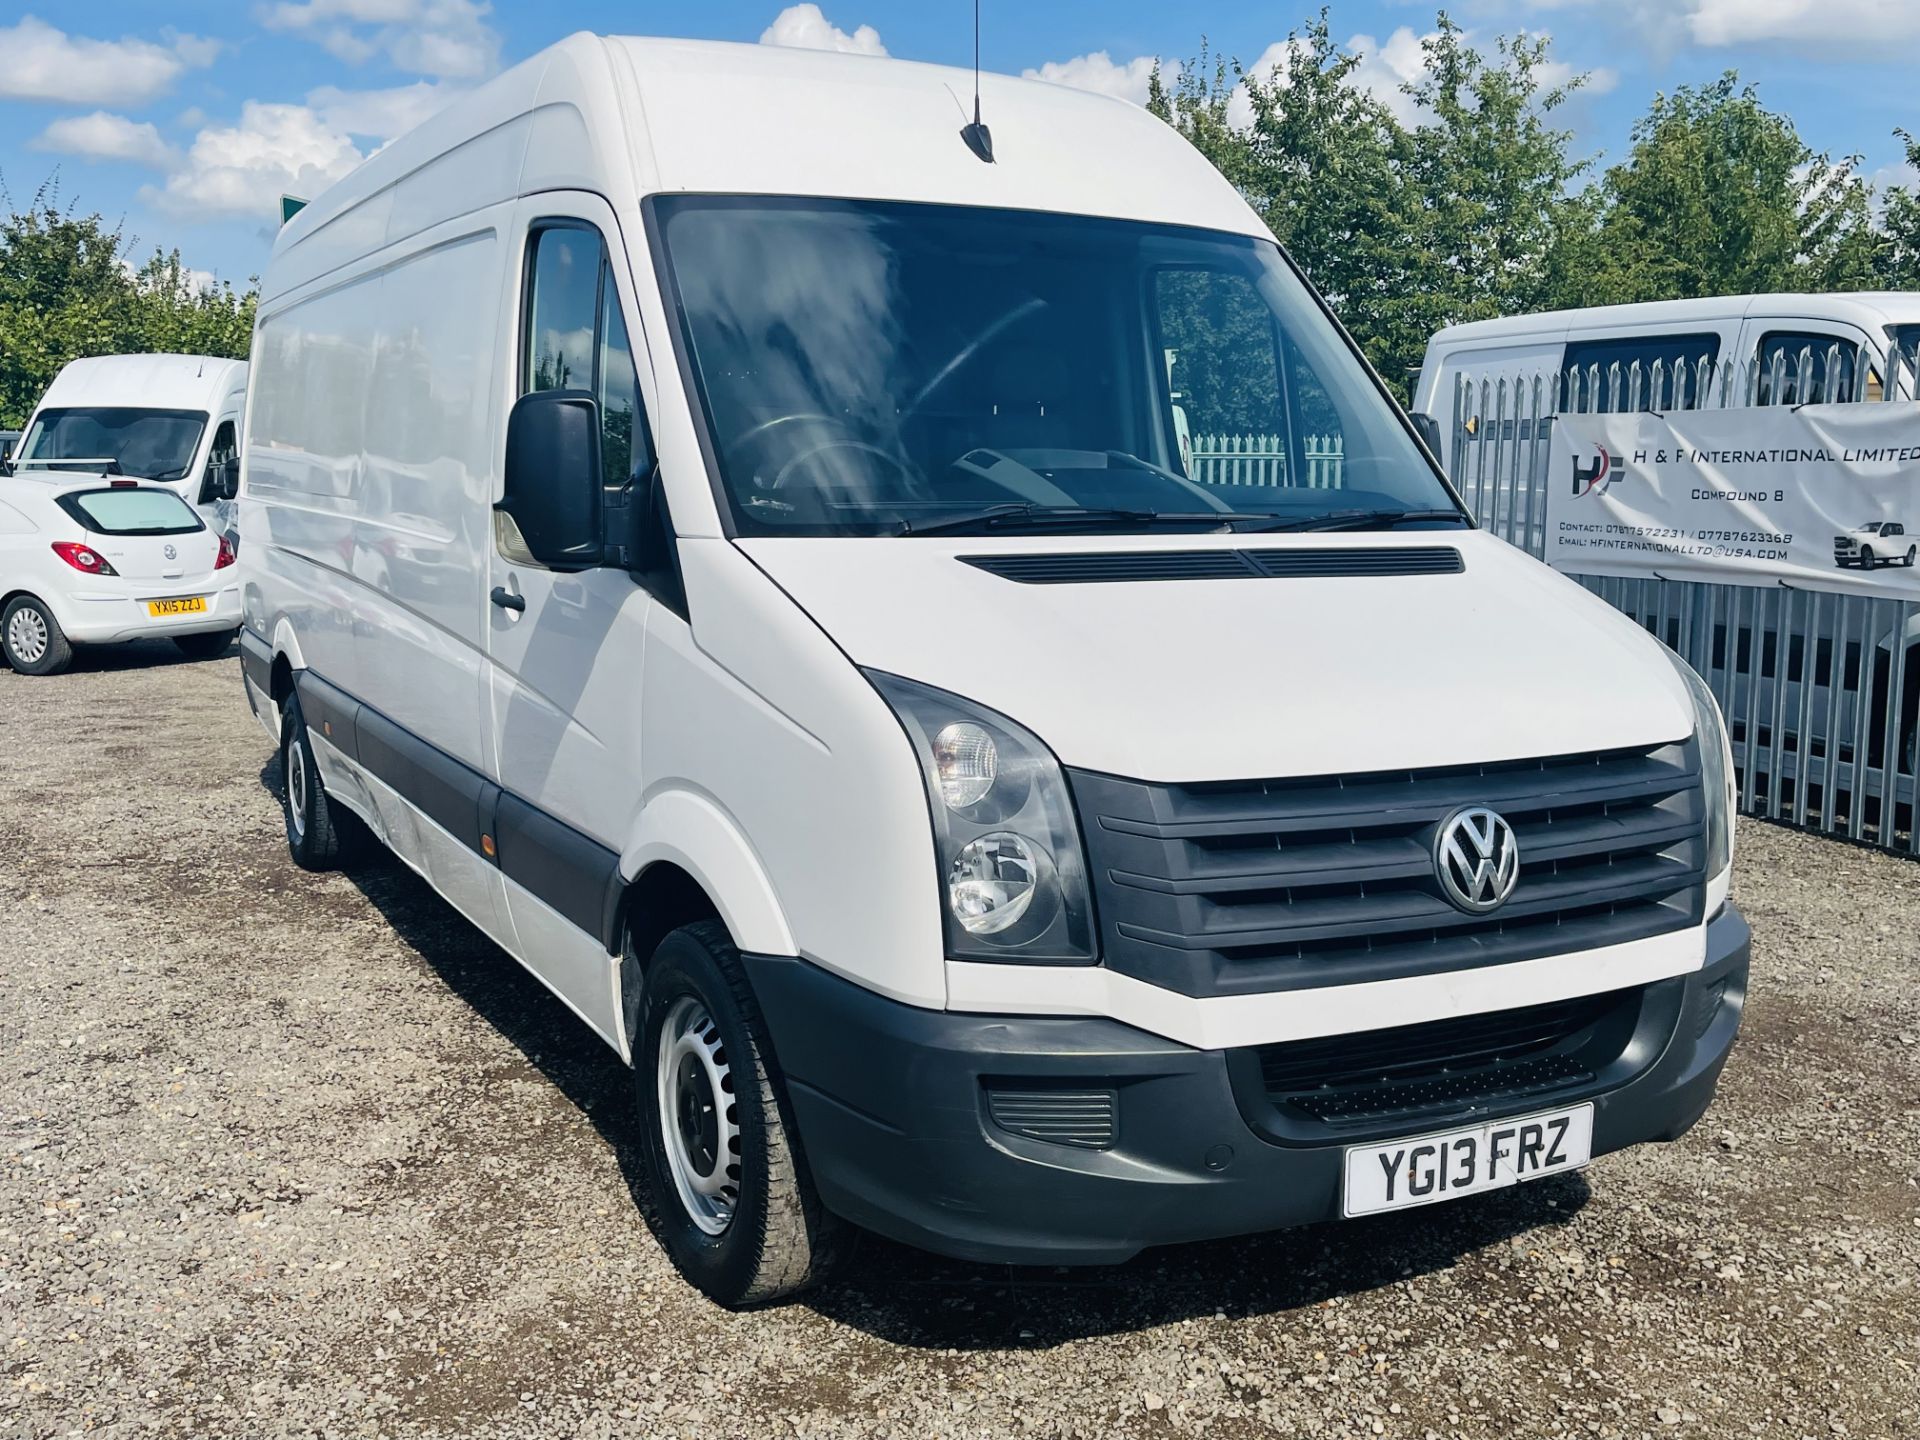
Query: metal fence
pixel 1264 460
pixel 1820 690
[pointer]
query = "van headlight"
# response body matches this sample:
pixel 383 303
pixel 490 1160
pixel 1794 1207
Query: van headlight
pixel 1013 874
pixel 1716 767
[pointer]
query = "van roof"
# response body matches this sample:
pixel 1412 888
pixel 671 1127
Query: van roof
pixel 157 382
pixel 1868 308
pixel 630 117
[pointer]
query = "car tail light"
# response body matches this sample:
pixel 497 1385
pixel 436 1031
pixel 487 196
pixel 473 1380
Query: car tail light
pixel 83 558
pixel 225 557
pixel 123 484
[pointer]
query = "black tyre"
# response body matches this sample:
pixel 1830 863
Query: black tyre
pixel 32 639
pixel 1866 557
pixel 726 1191
pixel 320 833
pixel 1912 550
pixel 206 646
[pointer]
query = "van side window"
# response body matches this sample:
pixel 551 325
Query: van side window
pixel 226 445
pixel 1780 382
pixel 1224 375
pixel 576 339
pixel 1594 386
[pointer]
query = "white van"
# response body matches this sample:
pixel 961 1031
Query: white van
pixel 1762 339
pixel 731 538
pixel 174 419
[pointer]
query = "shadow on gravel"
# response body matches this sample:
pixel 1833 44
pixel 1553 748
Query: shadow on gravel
pixel 131 655
pixel 906 1297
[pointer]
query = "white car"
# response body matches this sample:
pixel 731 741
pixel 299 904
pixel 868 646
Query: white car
pixel 97 559
pixel 1883 542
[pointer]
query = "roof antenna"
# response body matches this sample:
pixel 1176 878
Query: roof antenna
pixel 979 139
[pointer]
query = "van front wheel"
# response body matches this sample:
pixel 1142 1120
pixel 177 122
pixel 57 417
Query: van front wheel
pixel 726 1188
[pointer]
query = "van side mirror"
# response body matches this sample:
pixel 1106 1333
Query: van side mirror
pixel 1428 429
pixel 226 479
pixel 553 484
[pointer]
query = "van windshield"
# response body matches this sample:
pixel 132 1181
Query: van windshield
pixel 150 444
pixel 878 368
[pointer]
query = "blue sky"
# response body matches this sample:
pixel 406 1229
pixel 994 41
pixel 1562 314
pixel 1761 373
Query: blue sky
pixel 187 121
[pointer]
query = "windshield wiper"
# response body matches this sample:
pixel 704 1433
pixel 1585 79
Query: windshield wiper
pixel 1031 515
pixel 1365 520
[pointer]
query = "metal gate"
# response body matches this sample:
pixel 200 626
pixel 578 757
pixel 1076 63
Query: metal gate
pixel 1820 690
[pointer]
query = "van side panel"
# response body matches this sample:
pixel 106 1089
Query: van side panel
pixel 306 423
pixel 421 500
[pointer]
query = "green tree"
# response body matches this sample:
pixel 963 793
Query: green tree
pixel 1720 196
pixel 68 289
pixel 1490 176
pixel 1900 223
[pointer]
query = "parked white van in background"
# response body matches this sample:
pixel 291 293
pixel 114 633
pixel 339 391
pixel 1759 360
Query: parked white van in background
pixel 174 419
pixel 727 530
pixel 1760 339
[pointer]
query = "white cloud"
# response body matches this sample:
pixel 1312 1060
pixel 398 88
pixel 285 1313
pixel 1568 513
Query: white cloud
pixel 380 114
pixel 449 39
pixel 1101 73
pixel 38 62
pixel 1385 69
pixel 242 170
pixel 805 27
pixel 1857 23
pixel 102 136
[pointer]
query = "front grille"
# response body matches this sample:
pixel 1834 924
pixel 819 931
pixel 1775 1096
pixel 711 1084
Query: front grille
pixel 1241 887
pixel 1426 1072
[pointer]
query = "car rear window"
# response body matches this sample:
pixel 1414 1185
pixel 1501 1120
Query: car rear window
pixel 128 511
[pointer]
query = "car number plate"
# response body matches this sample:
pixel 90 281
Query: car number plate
pixel 1404 1173
pixel 190 605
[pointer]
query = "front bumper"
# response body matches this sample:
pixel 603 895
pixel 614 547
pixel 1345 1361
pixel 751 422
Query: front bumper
pixel 892 1107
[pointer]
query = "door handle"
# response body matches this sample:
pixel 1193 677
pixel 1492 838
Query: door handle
pixel 508 600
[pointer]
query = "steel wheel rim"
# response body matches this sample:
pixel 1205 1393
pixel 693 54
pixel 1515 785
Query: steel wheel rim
pixel 27 635
pixel 297 788
pixel 699 1115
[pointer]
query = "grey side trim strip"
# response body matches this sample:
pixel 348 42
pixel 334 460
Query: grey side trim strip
pixel 572 873
pixel 256 660
pixel 331 711
pixel 567 870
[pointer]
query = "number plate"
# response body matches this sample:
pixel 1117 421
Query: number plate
pixel 191 605
pixel 1403 1173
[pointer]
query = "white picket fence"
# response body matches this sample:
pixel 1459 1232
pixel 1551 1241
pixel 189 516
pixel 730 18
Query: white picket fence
pixel 1263 460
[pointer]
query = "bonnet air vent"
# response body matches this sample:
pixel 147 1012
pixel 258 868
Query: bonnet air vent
pixel 1378 560
pixel 1130 566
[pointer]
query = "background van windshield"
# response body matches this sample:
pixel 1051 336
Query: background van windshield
pixel 131 512
pixel 869 367
pixel 151 444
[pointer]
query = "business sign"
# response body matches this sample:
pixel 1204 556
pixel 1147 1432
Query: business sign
pixel 1826 497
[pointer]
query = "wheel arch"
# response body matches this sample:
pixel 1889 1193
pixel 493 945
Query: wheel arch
pixel 687 832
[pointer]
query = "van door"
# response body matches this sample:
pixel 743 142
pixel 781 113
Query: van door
pixel 219 512
pixel 565 647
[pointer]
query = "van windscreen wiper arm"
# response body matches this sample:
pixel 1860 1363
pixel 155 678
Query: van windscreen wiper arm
pixel 1023 516
pixel 1365 520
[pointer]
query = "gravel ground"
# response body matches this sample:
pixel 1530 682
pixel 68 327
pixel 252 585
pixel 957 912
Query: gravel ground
pixel 285 1154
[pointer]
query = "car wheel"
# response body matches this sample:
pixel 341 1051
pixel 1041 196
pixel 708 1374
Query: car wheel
pixel 318 831
pixel 1866 557
pixel 32 639
pixel 206 646
pixel 1912 550
pixel 726 1187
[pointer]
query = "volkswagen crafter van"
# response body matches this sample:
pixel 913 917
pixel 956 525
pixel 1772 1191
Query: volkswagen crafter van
pixel 727 530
